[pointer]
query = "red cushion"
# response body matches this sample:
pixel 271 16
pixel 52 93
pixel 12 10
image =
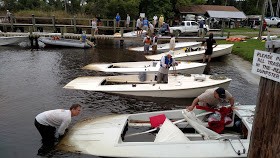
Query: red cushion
pixel 157 120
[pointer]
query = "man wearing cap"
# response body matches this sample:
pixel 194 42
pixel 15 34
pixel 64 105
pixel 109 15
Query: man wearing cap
pixel 165 63
pixel 212 98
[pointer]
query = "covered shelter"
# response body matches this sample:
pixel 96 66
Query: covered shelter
pixel 214 14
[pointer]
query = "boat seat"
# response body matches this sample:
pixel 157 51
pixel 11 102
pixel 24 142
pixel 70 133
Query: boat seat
pixel 170 133
pixel 199 126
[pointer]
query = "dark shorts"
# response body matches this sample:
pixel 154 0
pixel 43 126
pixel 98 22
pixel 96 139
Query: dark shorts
pixel 208 52
pixel 138 28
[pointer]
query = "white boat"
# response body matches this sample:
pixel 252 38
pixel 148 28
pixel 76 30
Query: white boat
pixel 185 136
pixel 145 85
pixel 274 37
pixel 165 47
pixel 146 67
pixel 12 40
pixel 189 55
pixel 129 34
pixel 65 42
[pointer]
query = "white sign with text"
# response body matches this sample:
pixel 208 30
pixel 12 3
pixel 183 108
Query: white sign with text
pixel 267 65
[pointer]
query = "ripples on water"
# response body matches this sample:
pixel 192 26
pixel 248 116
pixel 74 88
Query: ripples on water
pixel 32 81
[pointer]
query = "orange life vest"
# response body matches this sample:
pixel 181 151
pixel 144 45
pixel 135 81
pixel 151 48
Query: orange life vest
pixel 148 41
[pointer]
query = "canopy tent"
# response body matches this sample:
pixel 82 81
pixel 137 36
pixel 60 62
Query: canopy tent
pixel 226 14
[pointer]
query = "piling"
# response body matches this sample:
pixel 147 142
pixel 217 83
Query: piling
pixel 265 136
pixel 121 40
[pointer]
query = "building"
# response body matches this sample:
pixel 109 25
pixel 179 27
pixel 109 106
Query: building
pixel 214 14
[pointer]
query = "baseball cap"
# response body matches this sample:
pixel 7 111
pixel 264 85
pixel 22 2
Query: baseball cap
pixel 221 92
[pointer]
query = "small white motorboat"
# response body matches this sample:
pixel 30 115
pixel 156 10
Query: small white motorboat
pixel 146 67
pixel 65 42
pixel 12 40
pixel 165 47
pixel 189 55
pixel 130 34
pixel 182 134
pixel 145 85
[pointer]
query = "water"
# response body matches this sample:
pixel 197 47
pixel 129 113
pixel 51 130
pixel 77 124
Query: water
pixel 31 82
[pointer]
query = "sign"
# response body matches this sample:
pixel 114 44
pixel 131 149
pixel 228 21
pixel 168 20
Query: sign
pixel 142 15
pixel 267 65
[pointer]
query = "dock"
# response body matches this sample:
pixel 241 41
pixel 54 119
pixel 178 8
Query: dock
pixel 73 27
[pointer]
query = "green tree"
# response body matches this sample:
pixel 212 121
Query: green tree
pixel 122 7
pixel 95 7
pixel 157 7
pixel 10 5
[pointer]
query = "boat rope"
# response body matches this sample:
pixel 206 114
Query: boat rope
pixel 238 151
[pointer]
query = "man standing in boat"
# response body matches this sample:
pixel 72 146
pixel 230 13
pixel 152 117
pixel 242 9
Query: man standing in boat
pixel 147 42
pixel 209 47
pixel 52 125
pixel 154 44
pixel 212 98
pixel 172 42
pixel 165 63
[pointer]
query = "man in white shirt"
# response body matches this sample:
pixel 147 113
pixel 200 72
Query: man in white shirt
pixel 127 20
pixel 172 42
pixel 155 18
pixel 139 26
pixel 52 124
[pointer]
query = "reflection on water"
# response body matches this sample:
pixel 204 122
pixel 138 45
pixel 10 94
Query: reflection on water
pixel 32 81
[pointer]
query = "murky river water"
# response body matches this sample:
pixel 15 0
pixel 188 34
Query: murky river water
pixel 31 82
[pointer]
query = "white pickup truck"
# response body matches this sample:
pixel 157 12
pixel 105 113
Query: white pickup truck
pixel 272 21
pixel 188 27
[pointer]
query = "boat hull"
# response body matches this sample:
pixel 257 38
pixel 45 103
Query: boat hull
pixel 177 87
pixel 146 67
pixel 102 137
pixel 181 55
pixel 165 47
pixel 12 40
pixel 64 42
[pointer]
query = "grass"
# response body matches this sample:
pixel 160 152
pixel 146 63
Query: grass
pixel 241 30
pixel 245 31
pixel 246 48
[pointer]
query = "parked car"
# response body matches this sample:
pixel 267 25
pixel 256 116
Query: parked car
pixel 188 27
pixel 272 21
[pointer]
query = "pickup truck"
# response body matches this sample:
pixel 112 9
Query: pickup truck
pixel 187 27
pixel 272 21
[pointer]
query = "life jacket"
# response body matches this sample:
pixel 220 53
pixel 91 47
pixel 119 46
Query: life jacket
pixel 84 37
pixel 148 41
pixel 217 126
pixel 167 62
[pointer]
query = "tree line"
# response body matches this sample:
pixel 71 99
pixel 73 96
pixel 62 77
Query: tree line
pixel 109 8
